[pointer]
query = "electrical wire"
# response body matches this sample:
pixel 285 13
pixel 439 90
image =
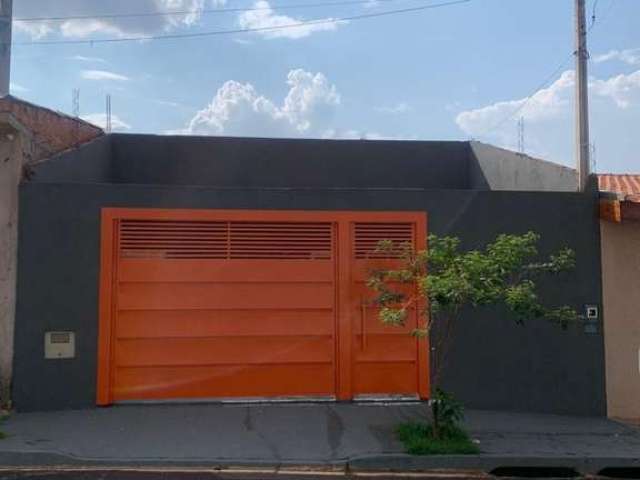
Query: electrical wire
pixel 604 16
pixel 202 11
pixel 322 21
pixel 594 9
pixel 547 79
pixel 528 99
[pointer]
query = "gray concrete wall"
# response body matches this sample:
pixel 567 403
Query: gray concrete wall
pixel 91 163
pixel 28 133
pixel 304 163
pixel 256 162
pixel 494 363
pixel 495 168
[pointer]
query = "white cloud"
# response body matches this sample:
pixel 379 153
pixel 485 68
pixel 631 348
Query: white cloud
pixel 103 75
pixel 310 99
pixel 17 88
pixel 82 58
pixel 353 134
pixel 309 110
pixel 629 56
pixel 396 109
pixel 86 27
pixel 100 119
pixel 552 101
pixel 36 30
pixel 118 26
pixel 548 115
pixel 543 104
pixel 238 109
pixel 622 89
pixel 166 103
pixel 266 18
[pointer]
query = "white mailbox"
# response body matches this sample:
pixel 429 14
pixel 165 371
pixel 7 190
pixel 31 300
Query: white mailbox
pixel 59 345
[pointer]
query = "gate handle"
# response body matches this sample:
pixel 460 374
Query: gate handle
pixel 363 323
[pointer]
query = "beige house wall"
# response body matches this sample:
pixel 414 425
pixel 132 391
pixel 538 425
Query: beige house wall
pixel 621 296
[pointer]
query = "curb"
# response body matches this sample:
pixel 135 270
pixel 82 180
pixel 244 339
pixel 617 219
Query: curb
pixel 486 463
pixel 389 463
pixel 39 460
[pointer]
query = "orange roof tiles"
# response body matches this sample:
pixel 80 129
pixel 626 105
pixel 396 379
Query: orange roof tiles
pixel 626 185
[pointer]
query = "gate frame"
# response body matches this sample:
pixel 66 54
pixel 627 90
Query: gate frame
pixel 342 219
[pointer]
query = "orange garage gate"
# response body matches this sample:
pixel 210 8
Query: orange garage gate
pixel 246 304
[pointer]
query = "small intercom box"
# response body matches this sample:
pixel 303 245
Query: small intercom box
pixel 59 345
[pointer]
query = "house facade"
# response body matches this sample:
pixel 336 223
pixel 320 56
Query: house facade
pixel 162 268
pixel 620 243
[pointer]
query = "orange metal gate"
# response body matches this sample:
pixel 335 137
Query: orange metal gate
pixel 237 303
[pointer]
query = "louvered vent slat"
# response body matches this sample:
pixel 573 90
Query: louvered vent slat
pixel 225 240
pixel 367 236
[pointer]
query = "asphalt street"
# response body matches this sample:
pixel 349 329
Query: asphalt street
pixel 233 475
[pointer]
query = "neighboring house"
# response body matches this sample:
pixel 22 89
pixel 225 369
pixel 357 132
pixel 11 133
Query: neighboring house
pixel 29 134
pixel 178 267
pixel 620 244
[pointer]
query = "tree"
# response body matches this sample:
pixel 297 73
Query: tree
pixel 447 280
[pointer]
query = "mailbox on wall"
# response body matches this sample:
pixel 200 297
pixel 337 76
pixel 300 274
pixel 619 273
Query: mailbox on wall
pixel 58 345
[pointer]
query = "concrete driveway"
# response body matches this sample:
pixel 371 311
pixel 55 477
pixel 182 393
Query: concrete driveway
pixel 326 434
pixel 309 433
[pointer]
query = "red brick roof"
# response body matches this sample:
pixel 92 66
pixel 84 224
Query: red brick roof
pixel 52 131
pixel 626 185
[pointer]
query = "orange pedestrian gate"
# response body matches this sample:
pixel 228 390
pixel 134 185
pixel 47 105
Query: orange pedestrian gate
pixel 245 304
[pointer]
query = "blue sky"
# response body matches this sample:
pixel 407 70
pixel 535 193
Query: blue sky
pixel 456 72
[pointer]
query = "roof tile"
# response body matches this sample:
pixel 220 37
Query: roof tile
pixel 627 185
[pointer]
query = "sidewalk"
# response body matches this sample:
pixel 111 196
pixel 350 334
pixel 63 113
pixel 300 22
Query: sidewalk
pixel 360 436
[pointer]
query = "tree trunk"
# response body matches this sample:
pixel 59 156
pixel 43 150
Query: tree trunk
pixel 5 395
pixel 436 419
pixel 440 342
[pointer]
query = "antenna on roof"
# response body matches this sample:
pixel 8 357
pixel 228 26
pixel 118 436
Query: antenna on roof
pixel 75 109
pixel 521 135
pixel 108 116
pixel 75 102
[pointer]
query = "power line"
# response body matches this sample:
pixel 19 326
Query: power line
pixel 202 11
pixel 528 99
pixel 594 9
pixel 244 30
pixel 603 17
pixel 547 79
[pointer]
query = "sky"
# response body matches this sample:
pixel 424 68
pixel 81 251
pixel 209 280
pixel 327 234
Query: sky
pixel 466 70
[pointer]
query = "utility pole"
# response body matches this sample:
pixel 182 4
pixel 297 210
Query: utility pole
pixel 6 9
pixel 582 98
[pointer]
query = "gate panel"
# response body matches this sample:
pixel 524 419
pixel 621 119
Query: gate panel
pixel 209 308
pixel 234 303
pixel 387 359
